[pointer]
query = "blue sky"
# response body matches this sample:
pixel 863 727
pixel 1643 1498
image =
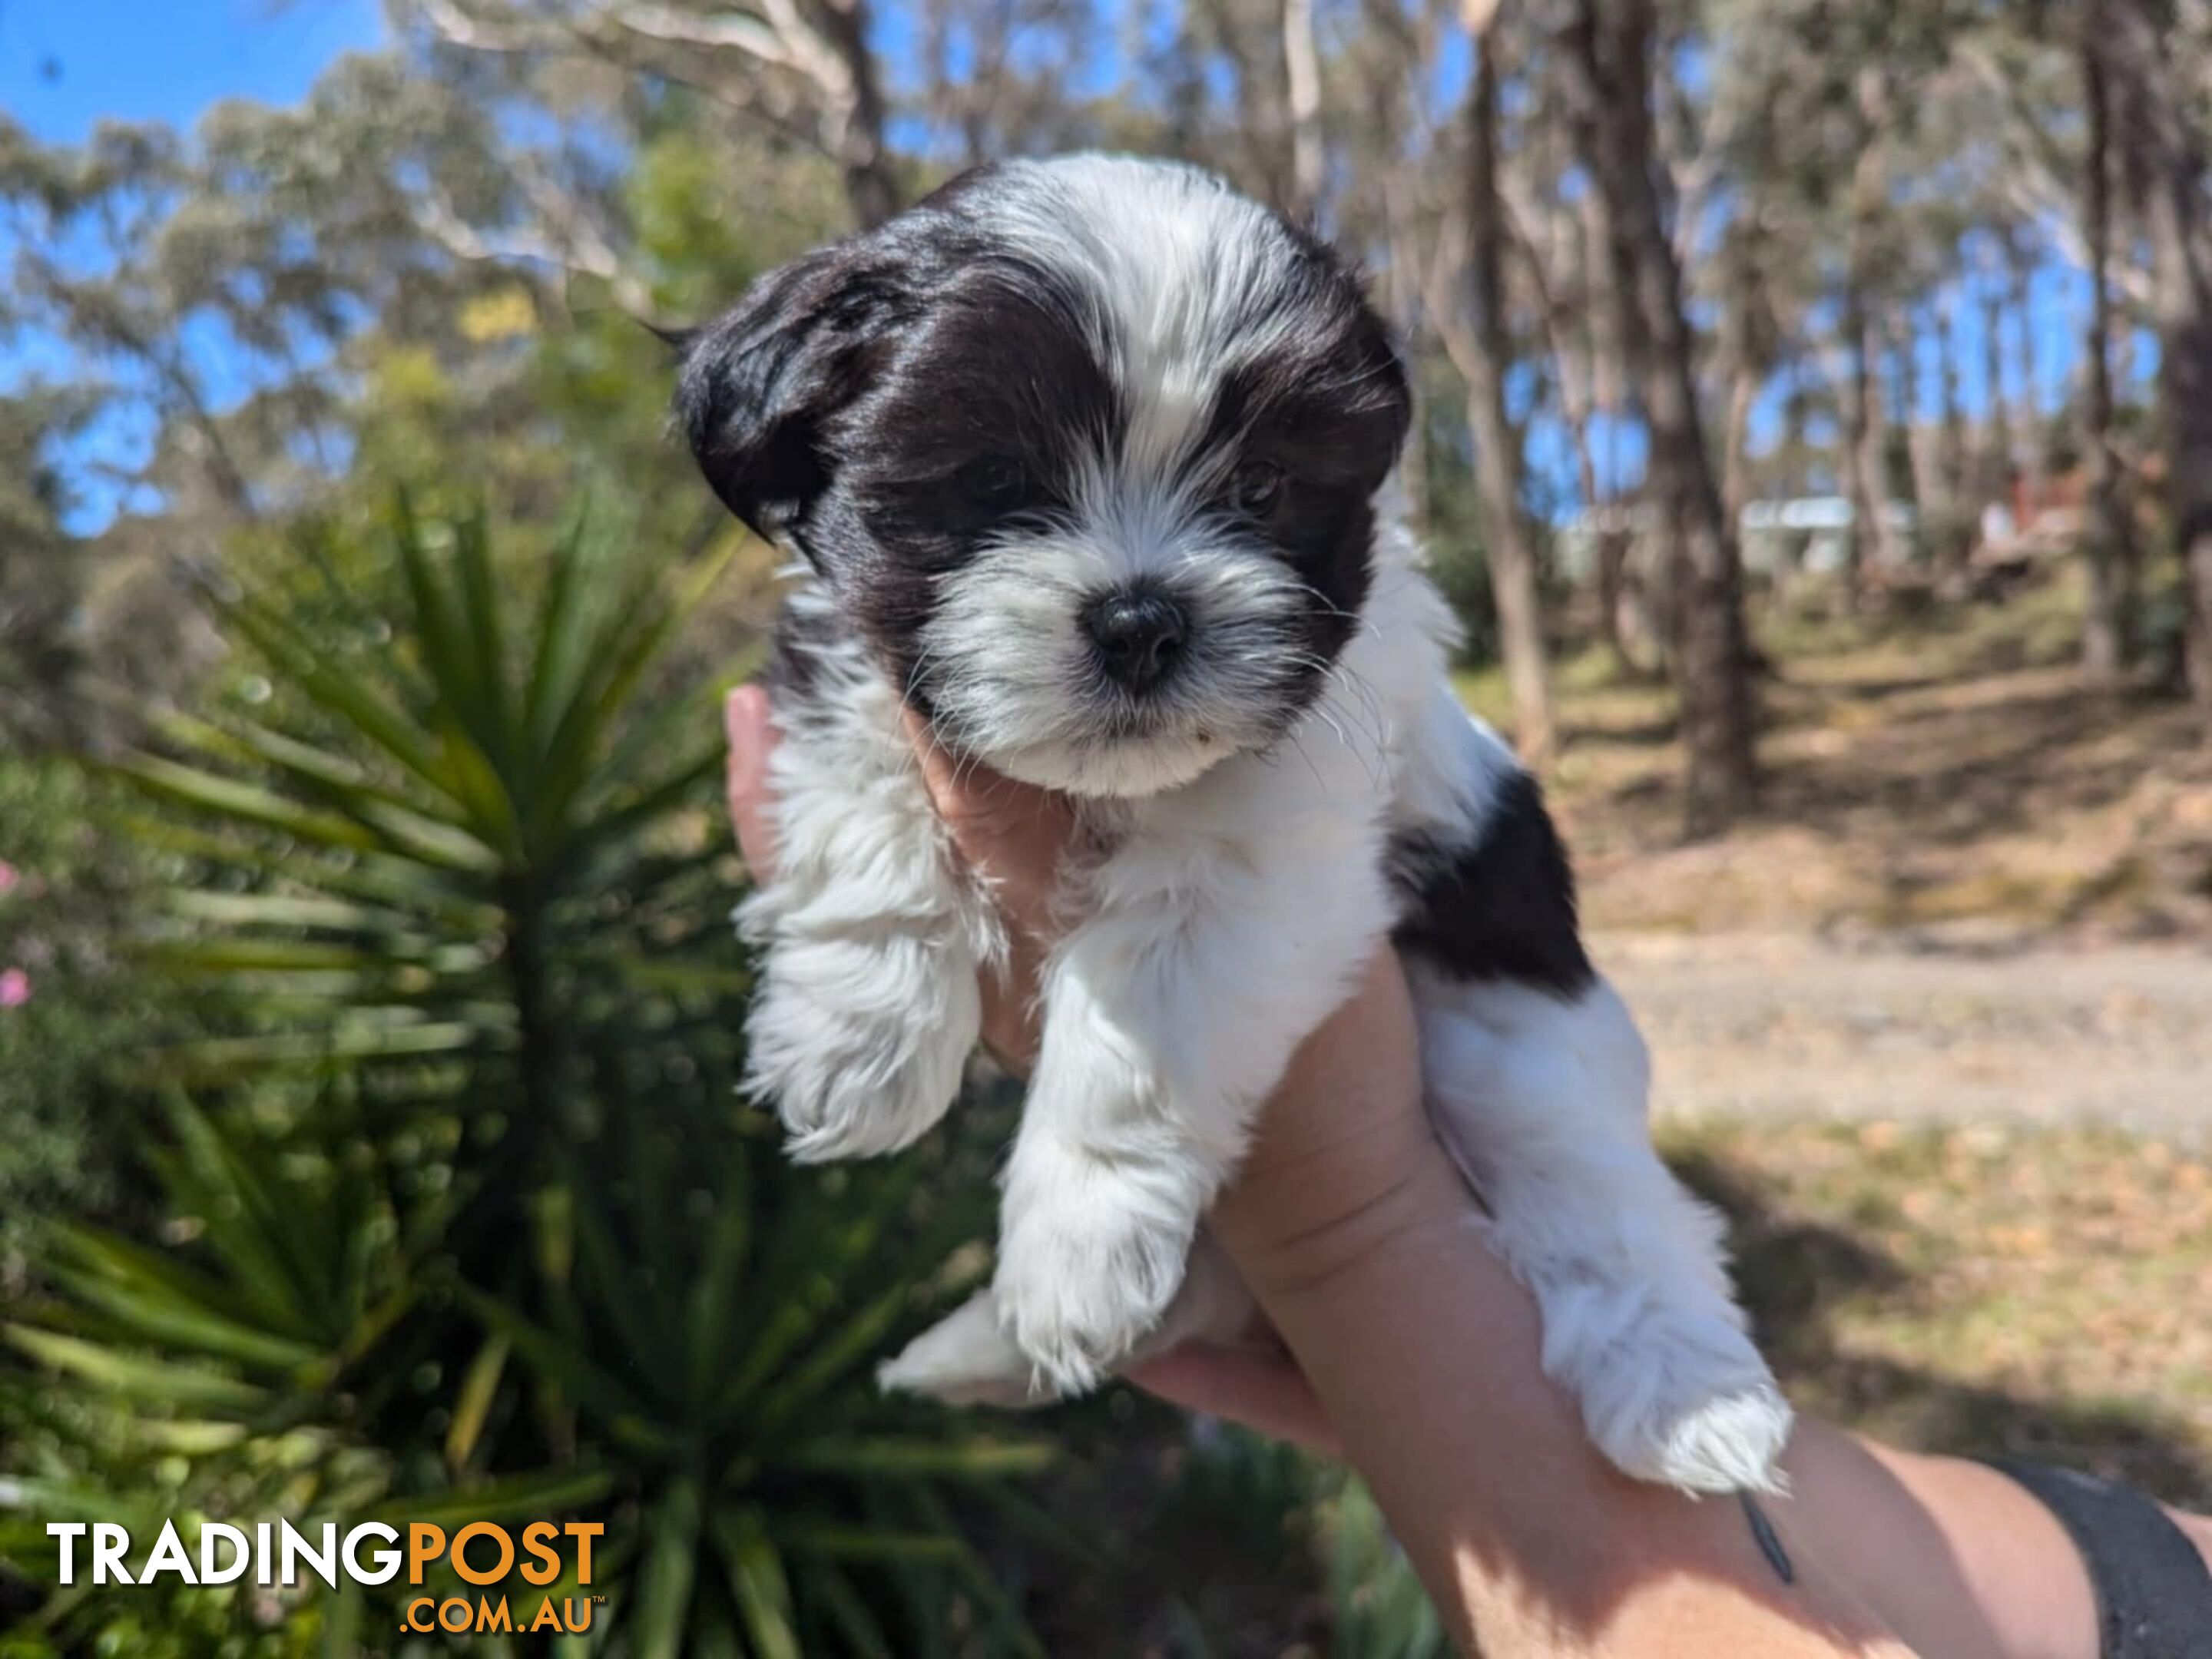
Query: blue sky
pixel 65 63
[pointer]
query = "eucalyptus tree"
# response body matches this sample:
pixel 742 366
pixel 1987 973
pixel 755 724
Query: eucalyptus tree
pixel 803 71
pixel 1604 54
pixel 2108 534
pixel 2153 55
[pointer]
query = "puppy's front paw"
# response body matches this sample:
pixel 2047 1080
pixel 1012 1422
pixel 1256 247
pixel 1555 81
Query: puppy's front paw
pixel 860 1053
pixel 966 1358
pixel 1672 1392
pixel 1092 1255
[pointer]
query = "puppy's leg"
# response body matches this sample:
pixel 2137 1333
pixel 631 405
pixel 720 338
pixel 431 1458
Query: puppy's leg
pixel 871 941
pixel 1541 1100
pixel 1224 928
pixel 968 1358
pixel 1537 1084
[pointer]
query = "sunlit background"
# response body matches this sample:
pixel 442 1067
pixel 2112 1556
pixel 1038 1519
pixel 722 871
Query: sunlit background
pixel 1836 545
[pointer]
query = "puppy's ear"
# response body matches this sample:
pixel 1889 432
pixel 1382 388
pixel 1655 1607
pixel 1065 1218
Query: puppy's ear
pixel 760 389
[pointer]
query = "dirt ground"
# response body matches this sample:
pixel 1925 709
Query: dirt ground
pixel 1975 891
pixel 1776 1026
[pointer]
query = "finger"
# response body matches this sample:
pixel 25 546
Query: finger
pixel 1016 835
pixel 752 738
pixel 994 819
pixel 1261 1391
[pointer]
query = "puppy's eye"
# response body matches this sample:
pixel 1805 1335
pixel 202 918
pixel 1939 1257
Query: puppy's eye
pixel 1257 488
pixel 997 484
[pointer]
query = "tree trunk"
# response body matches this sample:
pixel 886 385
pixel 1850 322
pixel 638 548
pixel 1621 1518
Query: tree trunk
pixel 1607 359
pixel 1923 438
pixel 872 185
pixel 2146 71
pixel 1497 461
pixel 1402 283
pixel 1302 80
pixel 1996 430
pixel 1743 352
pixel 1863 436
pixel 1862 447
pixel 2028 422
pixel 2108 541
pixel 1892 408
pixel 1744 373
pixel 1606 81
pixel 1954 538
pixel 1736 441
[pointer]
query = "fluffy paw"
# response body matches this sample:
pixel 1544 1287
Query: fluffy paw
pixel 1677 1395
pixel 853 1073
pixel 1730 1443
pixel 966 1358
pixel 1092 1254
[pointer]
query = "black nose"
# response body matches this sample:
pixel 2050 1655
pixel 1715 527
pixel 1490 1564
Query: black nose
pixel 1139 636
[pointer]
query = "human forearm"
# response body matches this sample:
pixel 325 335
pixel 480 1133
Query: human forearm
pixel 1423 1352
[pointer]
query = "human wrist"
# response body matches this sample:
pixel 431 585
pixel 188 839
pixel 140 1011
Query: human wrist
pixel 1343 1161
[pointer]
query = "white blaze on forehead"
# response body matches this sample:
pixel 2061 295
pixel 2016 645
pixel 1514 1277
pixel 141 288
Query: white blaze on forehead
pixel 1176 267
pixel 1138 521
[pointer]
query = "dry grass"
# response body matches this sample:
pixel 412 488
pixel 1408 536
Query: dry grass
pixel 1982 1290
pixel 1949 774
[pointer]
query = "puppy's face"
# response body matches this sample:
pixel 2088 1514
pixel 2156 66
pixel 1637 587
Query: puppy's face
pixel 1087 448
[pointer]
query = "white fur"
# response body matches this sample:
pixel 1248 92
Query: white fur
pixel 1008 646
pixel 870 1008
pixel 1541 1102
pixel 1241 888
pixel 1173 257
pixel 968 1358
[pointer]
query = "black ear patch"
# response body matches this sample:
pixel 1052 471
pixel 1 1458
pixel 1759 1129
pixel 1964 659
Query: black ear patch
pixel 761 388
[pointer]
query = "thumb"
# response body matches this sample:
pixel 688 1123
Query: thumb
pixel 1016 834
pixel 752 738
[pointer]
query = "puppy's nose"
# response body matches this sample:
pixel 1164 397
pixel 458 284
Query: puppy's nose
pixel 1140 635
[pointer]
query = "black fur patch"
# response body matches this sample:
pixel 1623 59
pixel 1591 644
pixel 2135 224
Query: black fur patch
pixel 1502 908
pixel 999 374
pixel 883 405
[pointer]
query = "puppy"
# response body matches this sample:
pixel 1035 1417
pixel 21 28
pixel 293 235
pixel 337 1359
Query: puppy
pixel 1089 463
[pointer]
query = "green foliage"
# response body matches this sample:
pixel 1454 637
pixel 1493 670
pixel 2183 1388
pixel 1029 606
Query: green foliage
pixel 69 1020
pixel 465 1220
pixel 1381 1611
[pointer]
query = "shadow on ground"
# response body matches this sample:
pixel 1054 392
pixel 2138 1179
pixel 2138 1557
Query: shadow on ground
pixel 1797 1277
pixel 1952 771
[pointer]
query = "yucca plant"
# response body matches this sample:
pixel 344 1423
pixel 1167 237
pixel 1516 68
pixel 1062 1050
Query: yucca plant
pixel 467 1220
pixel 1378 1607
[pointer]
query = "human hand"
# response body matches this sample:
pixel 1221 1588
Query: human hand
pixel 1317 1181
pixel 1015 837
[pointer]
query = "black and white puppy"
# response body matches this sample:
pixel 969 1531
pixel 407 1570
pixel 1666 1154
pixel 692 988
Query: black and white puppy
pixel 1088 462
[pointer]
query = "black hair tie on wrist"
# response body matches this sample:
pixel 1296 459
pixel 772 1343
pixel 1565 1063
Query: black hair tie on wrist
pixel 2154 1593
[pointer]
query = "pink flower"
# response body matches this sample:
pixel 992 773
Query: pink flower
pixel 15 987
pixel 9 875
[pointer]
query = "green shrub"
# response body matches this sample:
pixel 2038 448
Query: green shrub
pixel 69 1020
pixel 464 1218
